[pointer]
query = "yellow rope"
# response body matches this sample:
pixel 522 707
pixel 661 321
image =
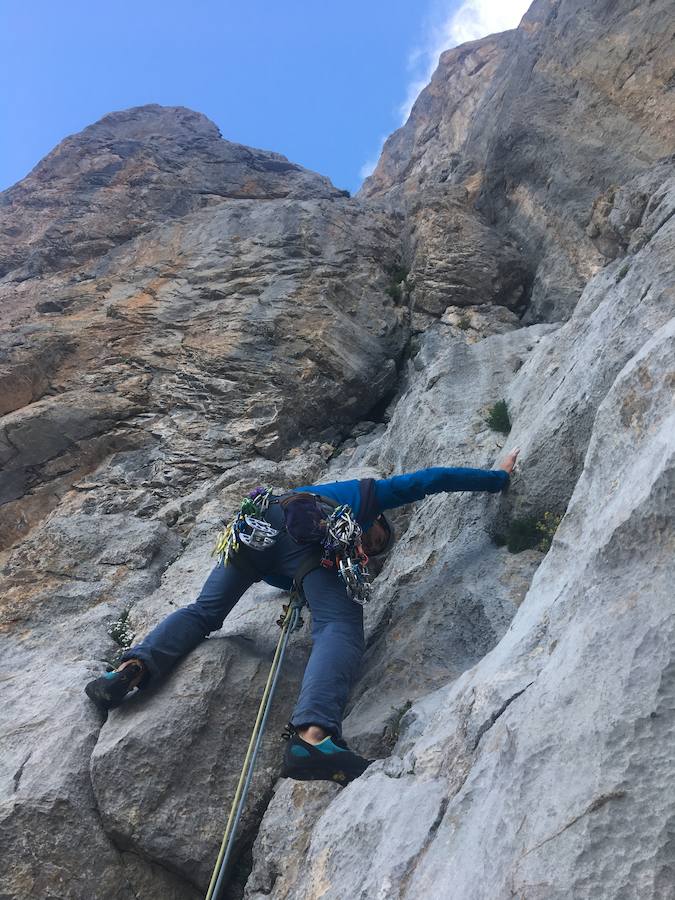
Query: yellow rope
pixel 242 777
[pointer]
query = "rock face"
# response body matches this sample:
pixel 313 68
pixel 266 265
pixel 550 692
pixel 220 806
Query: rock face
pixel 215 334
pixel 127 173
pixel 138 386
pixel 545 768
pixel 534 125
pixel 185 318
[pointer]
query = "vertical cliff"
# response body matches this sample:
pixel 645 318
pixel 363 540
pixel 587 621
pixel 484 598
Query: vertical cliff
pixel 529 130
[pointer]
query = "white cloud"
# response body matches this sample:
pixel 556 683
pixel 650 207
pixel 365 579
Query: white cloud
pixel 472 20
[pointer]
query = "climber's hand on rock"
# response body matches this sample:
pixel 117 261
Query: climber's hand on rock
pixel 508 464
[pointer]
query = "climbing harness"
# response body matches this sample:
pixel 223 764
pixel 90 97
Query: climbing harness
pixel 247 527
pixel 309 519
pixel 289 622
pixel 314 519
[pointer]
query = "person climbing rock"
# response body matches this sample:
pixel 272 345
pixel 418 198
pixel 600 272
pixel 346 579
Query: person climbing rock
pixel 270 548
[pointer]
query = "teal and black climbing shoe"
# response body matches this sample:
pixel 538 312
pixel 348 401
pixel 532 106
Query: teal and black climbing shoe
pixel 330 760
pixel 110 689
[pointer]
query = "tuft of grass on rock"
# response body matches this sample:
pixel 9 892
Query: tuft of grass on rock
pixel 529 533
pixel 393 727
pixel 498 417
pixel 464 322
pixel 547 527
pixel 120 631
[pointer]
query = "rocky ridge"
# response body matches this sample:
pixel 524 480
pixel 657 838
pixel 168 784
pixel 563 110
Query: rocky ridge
pixel 184 318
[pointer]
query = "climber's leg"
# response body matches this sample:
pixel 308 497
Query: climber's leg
pixel 180 632
pixel 335 661
pixel 175 636
pixel 316 750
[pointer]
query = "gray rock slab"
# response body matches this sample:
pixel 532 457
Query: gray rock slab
pixel 553 399
pixel 282 841
pixel 448 593
pixel 166 763
pixel 552 758
pixel 51 840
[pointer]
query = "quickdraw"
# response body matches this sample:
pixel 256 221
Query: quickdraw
pixel 343 548
pixel 247 527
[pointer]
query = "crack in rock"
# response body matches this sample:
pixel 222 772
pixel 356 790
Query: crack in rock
pixel 594 806
pixel 19 772
pixel 486 726
pixel 431 834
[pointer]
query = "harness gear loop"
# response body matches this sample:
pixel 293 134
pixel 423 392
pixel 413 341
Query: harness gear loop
pixel 290 621
pixel 248 527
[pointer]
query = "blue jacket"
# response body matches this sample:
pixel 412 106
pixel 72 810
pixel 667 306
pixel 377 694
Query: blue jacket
pixel 389 493
pixel 370 496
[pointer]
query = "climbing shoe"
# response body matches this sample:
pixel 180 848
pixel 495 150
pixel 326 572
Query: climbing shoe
pixel 110 689
pixel 330 760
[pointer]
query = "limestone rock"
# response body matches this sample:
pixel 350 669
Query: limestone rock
pixel 544 739
pixel 448 593
pixel 64 589
pixel 166 764
pixel 51 840
pixel 538 124
pixel 457 260
pixel 554 398
pixel 129 171
pixel 221 335
pixel 280 844
pixel 556 749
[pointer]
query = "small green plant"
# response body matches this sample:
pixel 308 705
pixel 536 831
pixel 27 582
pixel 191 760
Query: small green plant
pixel 120 631
pixel 547 527
pixel 393 727
pixel 529 533
pixel 498 417
pixel 623 271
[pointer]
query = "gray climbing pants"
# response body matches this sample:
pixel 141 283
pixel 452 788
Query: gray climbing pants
pixel 337 628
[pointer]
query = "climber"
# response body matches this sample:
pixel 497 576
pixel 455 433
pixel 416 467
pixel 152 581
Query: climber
pixel 315 749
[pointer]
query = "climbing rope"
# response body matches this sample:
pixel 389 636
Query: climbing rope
pixel 289 622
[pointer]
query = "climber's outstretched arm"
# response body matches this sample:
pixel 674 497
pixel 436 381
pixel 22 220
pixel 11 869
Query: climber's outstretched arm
pixel 402 489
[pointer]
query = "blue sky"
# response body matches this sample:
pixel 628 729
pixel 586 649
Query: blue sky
pixel 323 84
